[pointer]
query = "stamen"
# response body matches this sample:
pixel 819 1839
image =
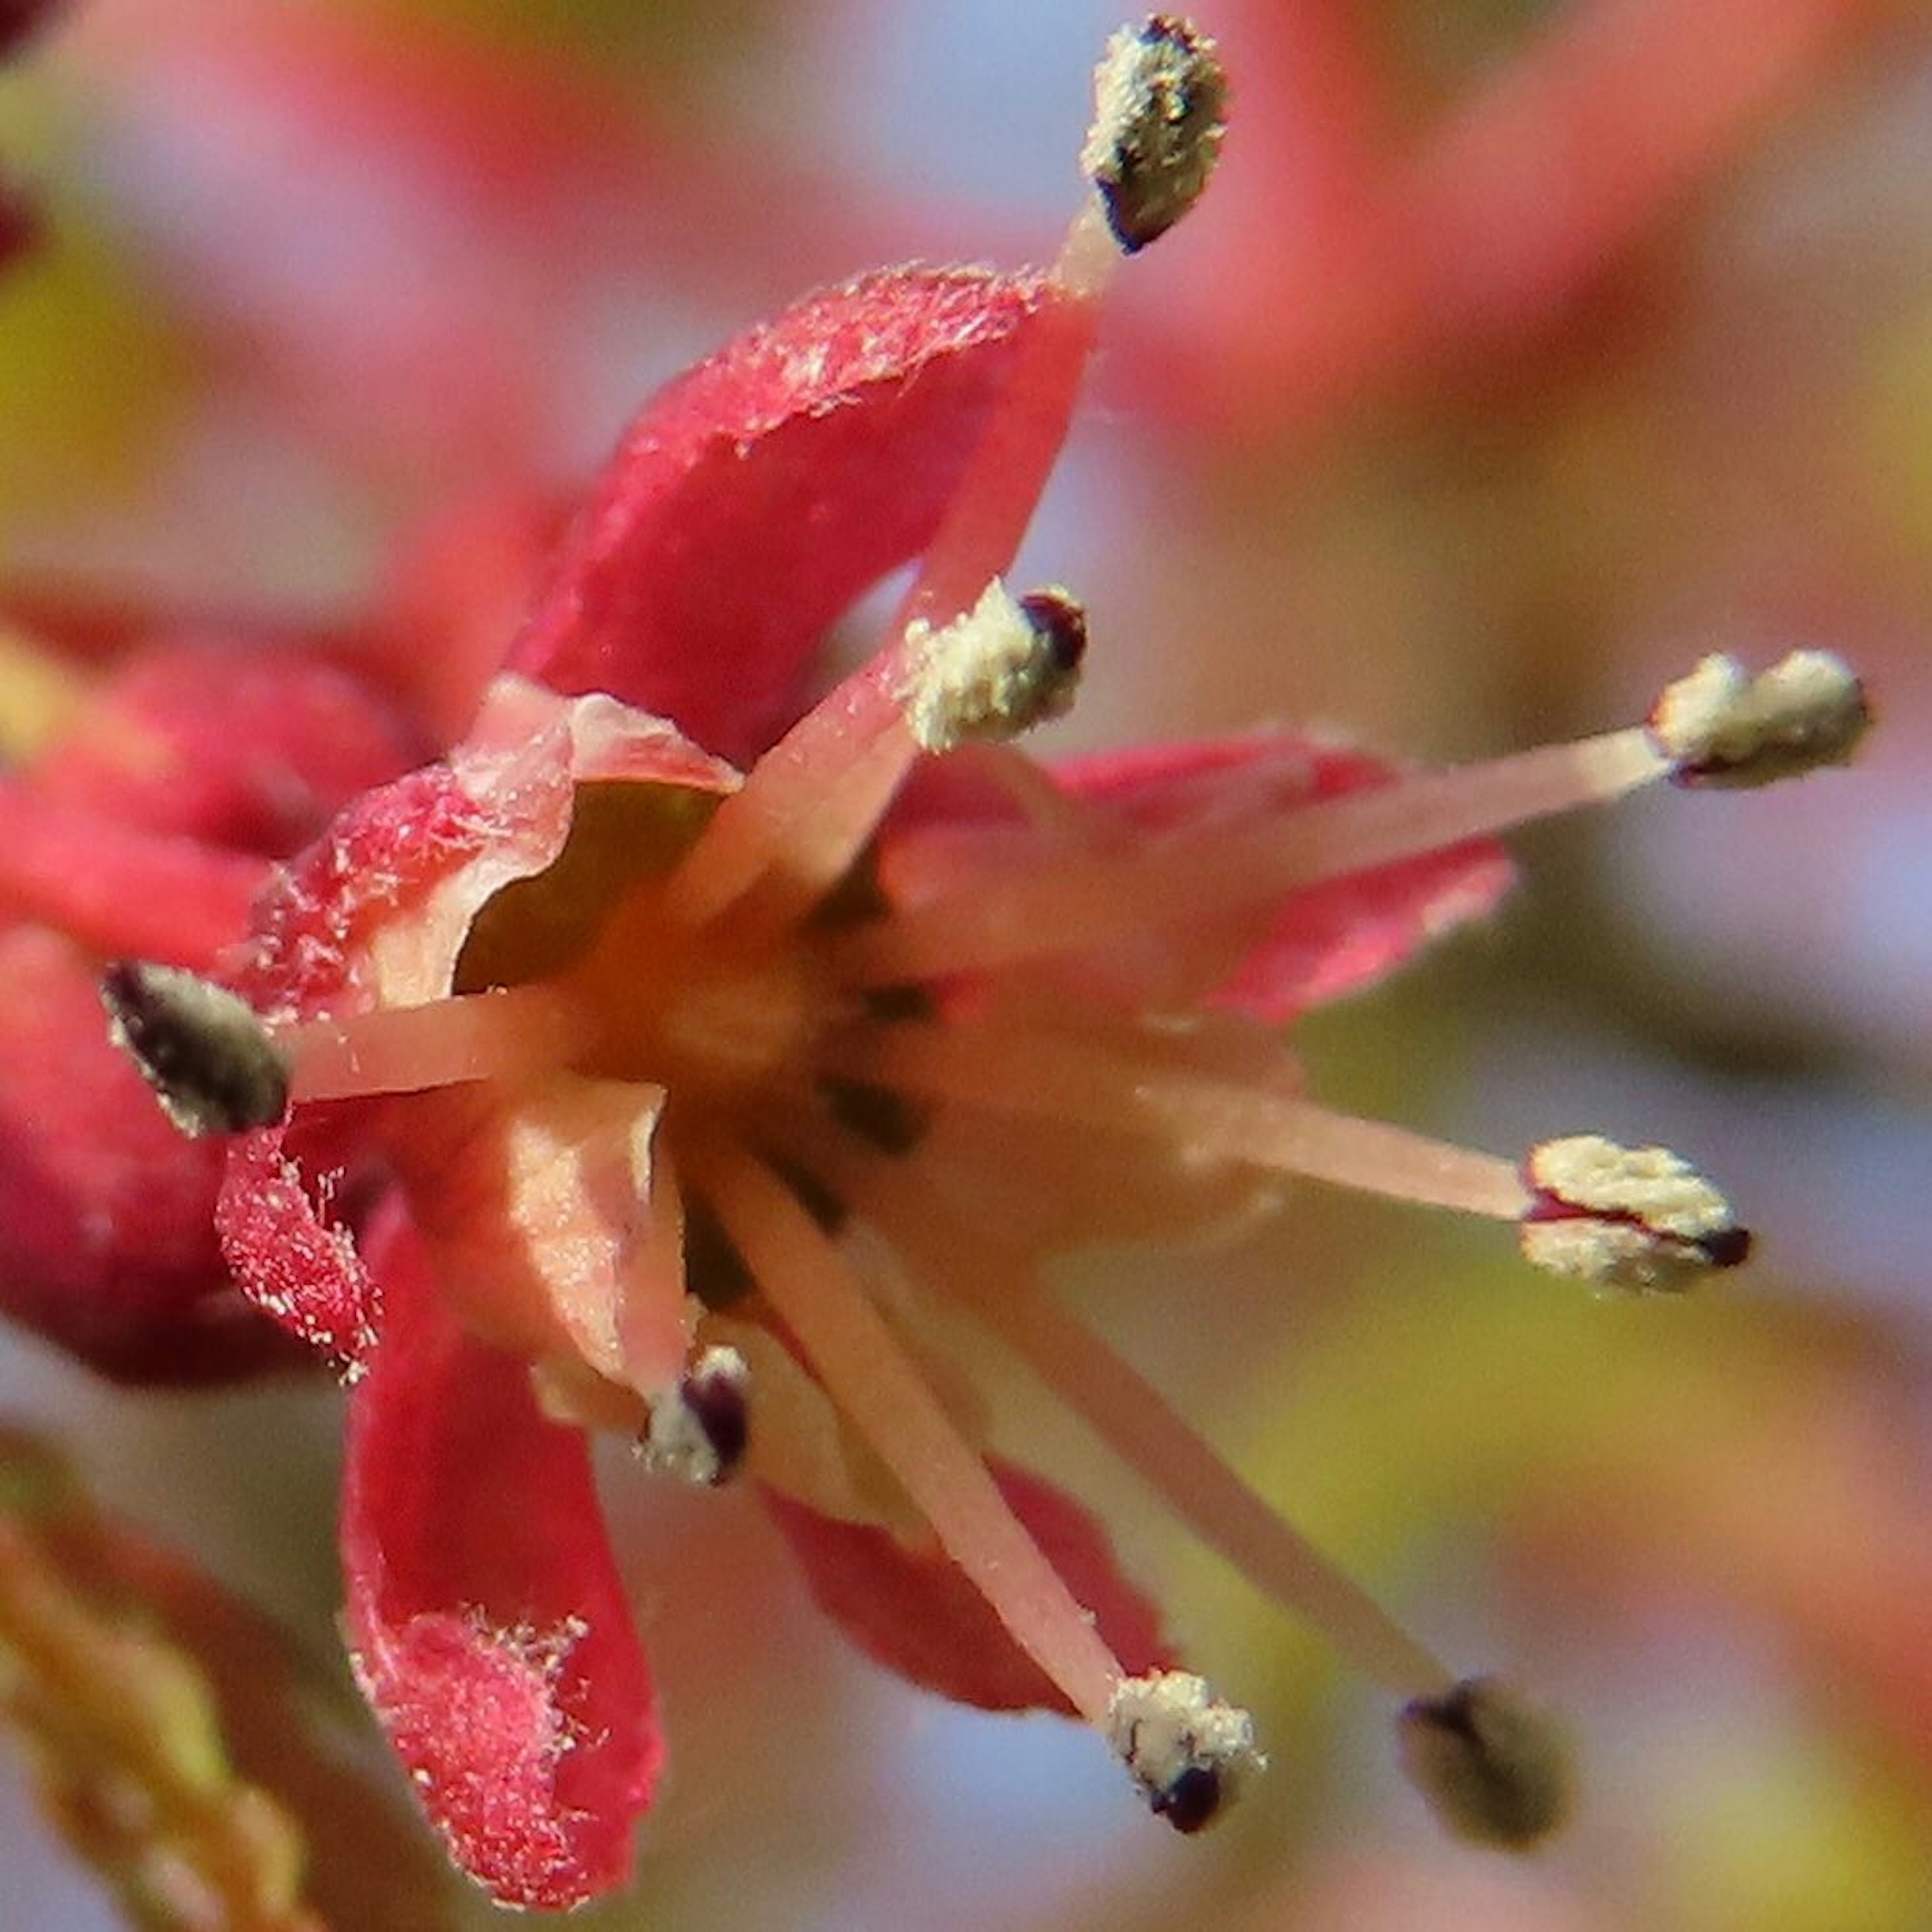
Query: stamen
pixel 204 1052
pixel 1158 97
pixel 1011 1071
pixel 1135 1421
pixel 1494 1768
pixel 869 1376
pixel 1008 665
pixel 806 810
pixel 503 1034
pixel 1190 1754
pixel 700 1428
pixel 1638 1219
pixel 1723 727
pixel 1071 902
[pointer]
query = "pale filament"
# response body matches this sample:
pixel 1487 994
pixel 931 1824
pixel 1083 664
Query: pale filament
pixel 1008 1070
pixel 997 1285
pixel 856 1355
pixel 1067 902
pixel 501 1035
pixel 807 807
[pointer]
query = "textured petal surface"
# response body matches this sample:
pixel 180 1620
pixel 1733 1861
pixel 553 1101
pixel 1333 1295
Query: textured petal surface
pixel 1271 962
pixel 106 1236
pixel 913 1611
pixel 294 1262
pixel 757 495
pixel 489 1628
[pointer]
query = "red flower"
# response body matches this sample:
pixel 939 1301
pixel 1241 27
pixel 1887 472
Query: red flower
pixel 663 1097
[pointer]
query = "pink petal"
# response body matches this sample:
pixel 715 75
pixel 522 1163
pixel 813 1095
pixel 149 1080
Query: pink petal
pixel 488 1626
pixel 757 495
pixel 296 1264
pixel 250 748
pixel 544 1210
pixel 913 1611
pixel 403 871
pixel 388 849
pixel 107 1242
pixel 1326 940
pixel 119 889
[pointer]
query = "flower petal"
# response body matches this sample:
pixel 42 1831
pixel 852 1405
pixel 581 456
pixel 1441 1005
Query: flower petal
pixel 208 738
pixel 488 1625
pixel 292 1261
pixel 1269 962
pixel 107 1244
pixel 378 910
pixel 757 495
pixel 545 1210
pixel 913 1611
pixel 1325 941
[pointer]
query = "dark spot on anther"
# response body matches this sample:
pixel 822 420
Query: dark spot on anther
pixel 1729 1247
pixel 205 1051
pixel 1062 622
pixel 1493 1768
pixel 1163 96
pixel 718 1404
pixel 1191 1802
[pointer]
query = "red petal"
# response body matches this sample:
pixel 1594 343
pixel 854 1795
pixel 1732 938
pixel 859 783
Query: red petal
pixel 293 1263
pixel 1325 941
pixel 489 1627
pixel 913 1611
pixel 119 890
pixel 239 747
pixel 107 1241
pixel 391 846
pixel 757 495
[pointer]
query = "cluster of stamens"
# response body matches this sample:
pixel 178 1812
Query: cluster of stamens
pixel 803 1047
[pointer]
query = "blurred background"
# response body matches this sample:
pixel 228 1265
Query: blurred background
pixel 1522 353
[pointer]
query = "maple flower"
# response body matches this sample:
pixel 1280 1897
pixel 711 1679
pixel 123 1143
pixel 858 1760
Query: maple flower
pixel 656 1059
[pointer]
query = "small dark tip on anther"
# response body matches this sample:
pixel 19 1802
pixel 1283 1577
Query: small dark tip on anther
pixel 716 1398
pixel 1160 96
pixel 1060 620
pixel 1192 1802
pixel 1729 1247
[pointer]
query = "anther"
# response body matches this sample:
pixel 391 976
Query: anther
pixel 699 1429
pixel 1158 94
pixel 1640 1218
pixel 1188 1752
pixel 1721 726
pixel 1493 1768
pixel 1003 666
pixel 204 1052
